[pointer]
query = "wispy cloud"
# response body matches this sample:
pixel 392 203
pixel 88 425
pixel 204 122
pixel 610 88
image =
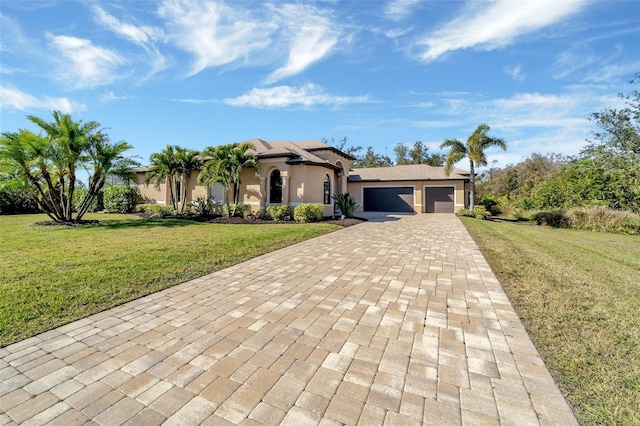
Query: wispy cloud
pixel 14 99
pixel 488 26
pixel 216 34
pixel 83 65
pixel 141 35
pixel 515 72
pixel 137 34
pixel 397 10
pixel 312 34
pixel 285 96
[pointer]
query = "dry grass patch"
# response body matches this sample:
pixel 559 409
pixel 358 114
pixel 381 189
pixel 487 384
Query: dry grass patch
pixel 578 294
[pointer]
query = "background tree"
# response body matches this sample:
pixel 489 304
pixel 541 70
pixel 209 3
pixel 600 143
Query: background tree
pixel 48 161
pixel 474 150
pixel 372 159
pixel 416 154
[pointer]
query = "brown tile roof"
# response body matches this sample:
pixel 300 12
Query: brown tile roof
pixel 406 172
pixel 296 151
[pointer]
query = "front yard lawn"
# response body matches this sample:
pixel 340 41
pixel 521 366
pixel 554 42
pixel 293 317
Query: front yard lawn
pixel 578 294
pixel 51 275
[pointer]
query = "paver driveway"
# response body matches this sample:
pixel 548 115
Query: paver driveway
pixel 400 322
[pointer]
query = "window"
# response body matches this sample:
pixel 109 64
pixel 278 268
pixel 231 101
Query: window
pixel 327 190
pixel 275 187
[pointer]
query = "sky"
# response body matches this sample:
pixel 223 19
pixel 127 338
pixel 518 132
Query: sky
pixel 200 73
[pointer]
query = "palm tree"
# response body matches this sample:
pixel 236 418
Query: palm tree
pixel 188 161
pixel 48 161
pixel 474 150
pixel 243 157
pixel 105 159
pixel 164 167
pixel 69 140
pixel 224 165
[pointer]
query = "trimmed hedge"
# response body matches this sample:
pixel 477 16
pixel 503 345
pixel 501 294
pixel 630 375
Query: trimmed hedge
pixel 279 213
pixel 305 213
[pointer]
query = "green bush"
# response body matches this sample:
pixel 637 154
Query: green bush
pixel 346 203
pixel 16 197
pixel 479 212
pixel 279 212
pixel 465 212
pixel 155 210
pixel 203 206
pixel 120 198
pixel 555 218
pixel 97 203
pixel 304 213
pixel 491 205
pixel 237 210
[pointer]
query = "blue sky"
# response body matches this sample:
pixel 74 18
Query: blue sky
pixel 201 73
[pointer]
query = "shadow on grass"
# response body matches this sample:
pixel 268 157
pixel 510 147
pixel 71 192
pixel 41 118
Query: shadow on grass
pixel 142 223
pixel 120 224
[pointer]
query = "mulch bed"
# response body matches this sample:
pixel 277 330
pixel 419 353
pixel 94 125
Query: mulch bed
pixel 255 221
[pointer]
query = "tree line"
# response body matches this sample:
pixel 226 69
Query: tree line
pixel 606 172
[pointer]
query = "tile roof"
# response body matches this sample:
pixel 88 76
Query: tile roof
pixel 406 172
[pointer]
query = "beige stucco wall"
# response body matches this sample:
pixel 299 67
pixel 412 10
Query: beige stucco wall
pixel 356 190
pixel 149 193
pixel 303 184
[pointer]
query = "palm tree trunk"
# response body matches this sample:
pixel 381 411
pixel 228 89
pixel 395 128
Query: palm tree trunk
pixel 472 186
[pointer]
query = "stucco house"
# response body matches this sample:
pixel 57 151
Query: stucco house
pixel 311 172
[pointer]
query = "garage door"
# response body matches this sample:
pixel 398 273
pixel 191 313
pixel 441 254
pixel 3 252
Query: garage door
pixel 440 200
pixel 396 199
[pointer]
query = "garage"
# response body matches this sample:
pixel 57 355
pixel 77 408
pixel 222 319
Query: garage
pixel 440 199
pixel 389 199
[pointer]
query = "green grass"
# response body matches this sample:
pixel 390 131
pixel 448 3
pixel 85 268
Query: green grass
pixel 50 276
pixel 578 294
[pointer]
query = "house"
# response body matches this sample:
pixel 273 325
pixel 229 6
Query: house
pixel 416 188
pixel 310 171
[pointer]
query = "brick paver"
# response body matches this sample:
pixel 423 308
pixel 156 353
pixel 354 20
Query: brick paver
pixel 399 321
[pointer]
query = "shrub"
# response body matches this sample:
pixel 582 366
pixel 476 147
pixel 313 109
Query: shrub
pixel 120 198
pixel 17 198
pixel 203 206
pixel 346 203
pixel 465 212
pixel 97 203
pixel 555 218
pixel 304 213
pixel 155 210
pixel 491 205
pixel 237 210
pixel 479 212
pixel 279 212
pixel 603 219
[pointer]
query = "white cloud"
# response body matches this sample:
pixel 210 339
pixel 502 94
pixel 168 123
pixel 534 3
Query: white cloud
pixel 286 96
pixel 515 72
pixel 216 34
pixel 397 10
pixel 143 36
pixel 83 65
pixel 312 34
pixel 11 98
pixel 137 34
pixel 491 25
